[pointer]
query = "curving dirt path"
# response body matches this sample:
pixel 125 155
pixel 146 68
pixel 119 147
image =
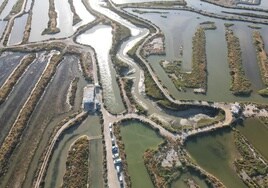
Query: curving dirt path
pixel 51 146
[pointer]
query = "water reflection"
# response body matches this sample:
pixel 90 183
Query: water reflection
pixel 18 30
pixel 100 38
pixel 7 8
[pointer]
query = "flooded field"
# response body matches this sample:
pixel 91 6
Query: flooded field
pixel 133 1
pixel 90 127
pixel 83 14
pixel 51 109
pixel 3 25
pixel 7 9
pixel 17 32
pixel 249 58
pixel 178 33
pixel 216 152
pixel 8 62
pixel 137 137
pixel 55 107
pixel 64 19
pixel 39 20
pixel 256 133
pixel 11 107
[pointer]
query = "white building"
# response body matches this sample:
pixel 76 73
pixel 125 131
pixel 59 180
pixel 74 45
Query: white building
pixel 89 98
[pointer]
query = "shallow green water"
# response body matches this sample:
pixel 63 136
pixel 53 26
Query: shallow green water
pixel 137 137
pixel 178 32
pixel 256 133
pixel 216 152
pixel 56 169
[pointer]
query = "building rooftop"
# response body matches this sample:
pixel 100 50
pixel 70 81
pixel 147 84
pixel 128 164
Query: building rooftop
pixel 89 94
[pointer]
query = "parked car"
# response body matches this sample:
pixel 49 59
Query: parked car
pixel 118 161
pixel 114 149
pixel 120 178
pixel 113 142
pixel 118 169
pixel 115 156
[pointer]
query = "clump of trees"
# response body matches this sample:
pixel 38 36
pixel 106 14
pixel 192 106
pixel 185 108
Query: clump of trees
pixel 262 61
pixel 77 164
pixel 240 84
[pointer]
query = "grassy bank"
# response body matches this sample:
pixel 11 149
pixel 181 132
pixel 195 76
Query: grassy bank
pixel 197 78
pixel 131 18
pixel 133 138
pixel 151 89
pixel 16 8
pixel 86 65
pixel 3 5
pixel 76 18
pixel 240 84
pixel 14 77
pixel 120 34
pixel 20 124
pixel 128 85
pixel 73 90
pixel 77 164
pixel 27 30
pixel 52 23
pixel 149 48
pixel 216 116
pixel 158 4
pixel 170 162
pixel 250 166
pixel 77 122
pixel 262 60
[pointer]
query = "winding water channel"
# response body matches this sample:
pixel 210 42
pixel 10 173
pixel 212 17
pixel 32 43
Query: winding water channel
pixel 180 33
pixel 96 37
pixel 210 151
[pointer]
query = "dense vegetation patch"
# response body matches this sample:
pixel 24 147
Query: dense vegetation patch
pixel 197 78
pixel 251 166
pixel 73 90
pixel 166 164
pixel 77 164
pixel 208 25
pixel 151 88
pixel 86 65
pixel 3 5
pixel 128 84
pixel 262 60
pixel 52 23
pixel 120 34
pixel 76 18
pixel 215 116
pixel 16 7
pixel 240 84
